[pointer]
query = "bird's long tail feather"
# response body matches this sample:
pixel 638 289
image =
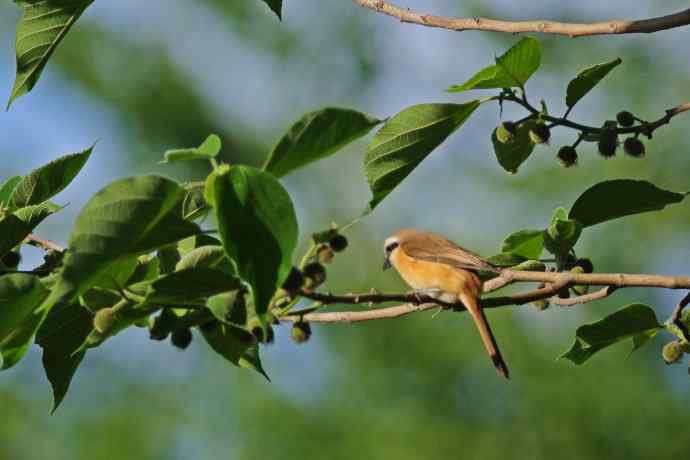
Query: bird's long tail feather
pixel 479 318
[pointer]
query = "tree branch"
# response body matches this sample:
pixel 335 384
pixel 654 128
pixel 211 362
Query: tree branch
pixel 572 30
pixel 554 283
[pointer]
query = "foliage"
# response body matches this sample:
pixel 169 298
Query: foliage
pixel 138 256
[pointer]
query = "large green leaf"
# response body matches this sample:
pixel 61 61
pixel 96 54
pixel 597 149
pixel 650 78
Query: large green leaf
pixel 511 69
pixel 406 140
pixel 20 315
pixel 15 227
pixel 43 25
pixel 317 135
pixel 526 243
pixel 258 226
pixel 48 180
pixel 276 6
pixel 209 149
pixel 588 79
pixel 61 335
pixel 127 218
pixel 612 199
pixel 626 323
pixel 513 153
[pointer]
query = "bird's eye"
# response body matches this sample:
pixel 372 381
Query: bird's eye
pixel 391 247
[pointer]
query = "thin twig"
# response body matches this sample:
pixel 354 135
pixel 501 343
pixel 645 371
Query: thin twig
pixel 656 24
pixel 48 245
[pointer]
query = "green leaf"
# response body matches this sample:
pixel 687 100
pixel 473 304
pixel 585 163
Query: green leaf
pixel 20 315
pixel 228 341
pixel 190 286
pixel 251 360
pixel 227 307
pixel 205 257
pixel 631 321
pixel 511 69
pixel 258 227
pixel 42 26
pixel 47 181
pixel 127 218
pixel 588 79
pixel 15 227
pixel 6 190
pixel 317 135
pixel 209 149
pixel 60 336
pixel 526 243
pixel 405 141
pixel 276 6
pixel 506 259
pixel 642 339
pixel 562 233
pixel 512 154
pixel 612 199
pixel 194 203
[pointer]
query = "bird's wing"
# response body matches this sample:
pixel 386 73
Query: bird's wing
pixel 441 250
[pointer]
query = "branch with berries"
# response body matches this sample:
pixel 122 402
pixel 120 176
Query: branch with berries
pixel 539 125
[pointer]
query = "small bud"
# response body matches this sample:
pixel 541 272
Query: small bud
pixel 338 243
pixel 586 264
pixel 294 280
pixel 672 352
pixel 325 254
pixel 634 147
pixel 181 338
pixel 541 305
pixel 505 132
pixel 540 134
pixel 567 156
pixel 301 332
pixel 104 320
pixel 315 273
pixel 625 118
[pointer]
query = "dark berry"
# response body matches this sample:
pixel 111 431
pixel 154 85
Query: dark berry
pixel 567 155
pixel 338 243
pixel 301 332
pixel 181 338
pixel 634 147
pixel 540 134
pixel 316 273
pixel 625 118
pixel 294 280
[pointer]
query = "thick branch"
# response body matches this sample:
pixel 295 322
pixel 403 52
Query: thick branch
pixel 555 282
pixel 670 21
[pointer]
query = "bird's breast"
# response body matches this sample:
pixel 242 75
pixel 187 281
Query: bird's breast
pixel 422 274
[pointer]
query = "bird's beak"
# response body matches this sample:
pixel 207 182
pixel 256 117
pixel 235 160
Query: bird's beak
pixel 387 263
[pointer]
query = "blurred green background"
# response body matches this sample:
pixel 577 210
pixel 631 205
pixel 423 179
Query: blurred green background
pixel 146 76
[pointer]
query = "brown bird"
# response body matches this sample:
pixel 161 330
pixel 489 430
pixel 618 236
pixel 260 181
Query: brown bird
pixel 435 266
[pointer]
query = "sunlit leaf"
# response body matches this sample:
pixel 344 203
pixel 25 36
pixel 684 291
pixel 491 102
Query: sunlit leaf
pixel 316 135
pixel 406 140
pixel 43 25
pixel 526 243
pixel 15 227
pixel 127 218
pixel 588 79
pixel 209 149
pixel 47 181
pixel 511 69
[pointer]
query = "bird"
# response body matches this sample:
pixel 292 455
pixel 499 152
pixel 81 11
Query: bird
pixel 433 265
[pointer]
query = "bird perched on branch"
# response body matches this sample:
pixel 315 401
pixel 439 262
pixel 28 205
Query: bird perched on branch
pixel 435 266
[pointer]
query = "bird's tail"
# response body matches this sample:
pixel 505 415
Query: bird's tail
pixel 472 305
